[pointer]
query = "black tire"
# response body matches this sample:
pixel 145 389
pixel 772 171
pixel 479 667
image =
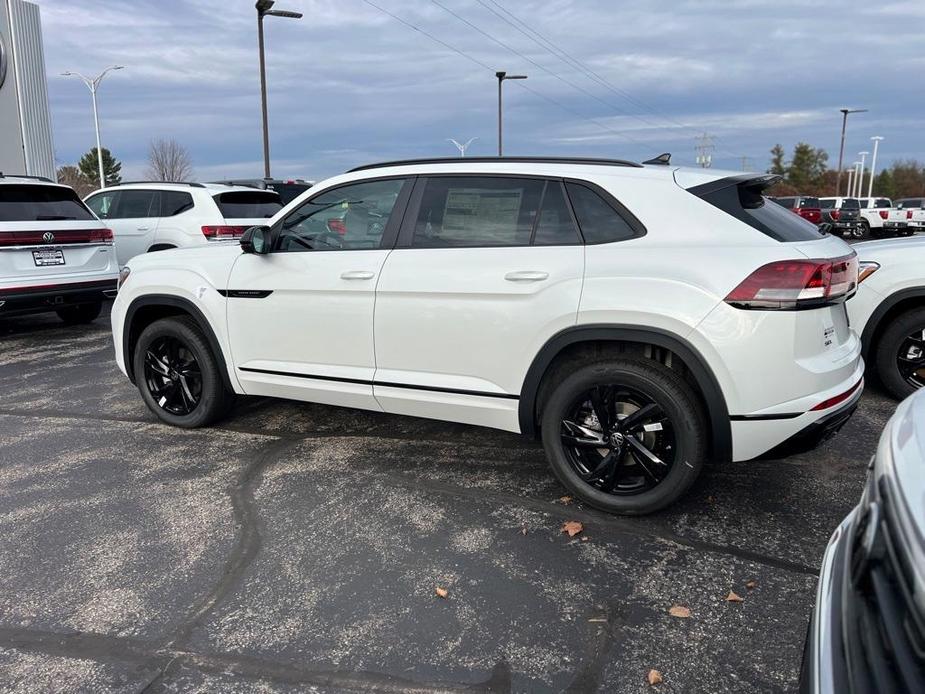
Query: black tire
pixel 81 313
pixel 902 378
pixel 865 229
pixel 177 374
pixel 679 443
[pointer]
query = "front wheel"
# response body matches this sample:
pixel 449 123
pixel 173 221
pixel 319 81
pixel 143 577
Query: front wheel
pixel 900 354
pixel 625 436
pixel 80 314
pixel 177 374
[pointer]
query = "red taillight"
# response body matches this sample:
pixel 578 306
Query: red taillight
pixel 796 284
pixel 101 235
pixel 908 214
pixel 835 400
pixel 55 237
pixel 835 214
pixel 223 232
pixel 884 214
pixel 337 226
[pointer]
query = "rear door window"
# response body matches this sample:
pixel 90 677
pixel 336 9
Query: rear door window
pixel 135 204
pixel 102 204
pixel 36 203
pixel 174 202
pixel 257 204
pixel 746 203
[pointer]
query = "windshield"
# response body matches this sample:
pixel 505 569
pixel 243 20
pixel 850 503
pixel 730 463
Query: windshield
pixel 257 204
pixel 36 203
pixel 850 204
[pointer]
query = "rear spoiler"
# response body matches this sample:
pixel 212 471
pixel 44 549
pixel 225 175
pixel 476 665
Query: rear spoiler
pixel 750 182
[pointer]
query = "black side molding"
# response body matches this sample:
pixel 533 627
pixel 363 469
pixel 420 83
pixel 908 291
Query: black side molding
pixel 245 293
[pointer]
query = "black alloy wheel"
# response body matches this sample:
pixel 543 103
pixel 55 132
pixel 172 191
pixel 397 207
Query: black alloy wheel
pixel 173 376
pixel 618 440
pixel 910 358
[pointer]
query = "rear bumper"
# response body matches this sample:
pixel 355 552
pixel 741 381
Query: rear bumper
pixel 37 299
pixel 817 433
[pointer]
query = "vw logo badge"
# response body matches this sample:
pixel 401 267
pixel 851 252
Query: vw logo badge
pixel 48 237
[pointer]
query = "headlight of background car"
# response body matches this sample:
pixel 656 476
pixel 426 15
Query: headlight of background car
pixel 123 275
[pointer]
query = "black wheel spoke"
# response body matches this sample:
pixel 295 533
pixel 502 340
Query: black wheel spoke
pixel 910 359
pixel 582 436
pixel 613 474
pixel 608 460
pixel 172 375
pixel 601 407
pixel 645 465
pixel 639 447
pixel 155 364
pixel 639 417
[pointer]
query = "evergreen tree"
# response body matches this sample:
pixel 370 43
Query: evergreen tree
pixel 778 165
pixel 89 168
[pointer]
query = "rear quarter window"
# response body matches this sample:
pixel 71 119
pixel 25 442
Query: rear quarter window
pixel 746 203
pixel 36 203
pixel 601 220
pixel 257 204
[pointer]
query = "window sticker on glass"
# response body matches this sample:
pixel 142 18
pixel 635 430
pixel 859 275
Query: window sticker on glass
pixel 495 212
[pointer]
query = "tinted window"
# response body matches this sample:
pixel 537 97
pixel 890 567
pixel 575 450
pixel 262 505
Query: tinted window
pixel 827 204
pixel 882 203
pixel 134 204
pixel 101 204
pixel 785 202
pixel 288 191
pixel 35 203
pixel 746 204
pixel 174 202
pixel 346 218
pixel 598 220
pixel 555 226
pixel 809 202
pixel 256 204
pixel 909 204
pixel 475 211
pixel 850 204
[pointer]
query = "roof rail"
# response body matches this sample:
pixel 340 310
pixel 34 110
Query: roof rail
pixel 499 160
pixel 44 179
pixel 192 184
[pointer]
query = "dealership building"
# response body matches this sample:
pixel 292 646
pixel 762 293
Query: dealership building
pixel 25 123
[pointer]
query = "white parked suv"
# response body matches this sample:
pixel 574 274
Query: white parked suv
pixel 153 216
pixel 889 311
pixel 643 318
pixel 874 212
pixel 54 254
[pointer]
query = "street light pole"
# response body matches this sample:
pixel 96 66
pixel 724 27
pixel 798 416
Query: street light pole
pixel 860 183
pixel 841 149
pixel 854 185
pixel 501 75
pixel 263 9
pixel 873 165
pixel 850 180
pixel 93 84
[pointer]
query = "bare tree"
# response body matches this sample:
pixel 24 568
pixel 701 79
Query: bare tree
pixel 71 176
pixel 168 160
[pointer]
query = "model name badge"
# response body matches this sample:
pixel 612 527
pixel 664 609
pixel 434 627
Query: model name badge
pixel 827 337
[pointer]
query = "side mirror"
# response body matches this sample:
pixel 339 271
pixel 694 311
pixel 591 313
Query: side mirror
pixel 825 228
pixel 256 240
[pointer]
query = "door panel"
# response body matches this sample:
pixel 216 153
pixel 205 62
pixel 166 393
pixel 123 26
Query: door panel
pixel 133 220
pixel 300 319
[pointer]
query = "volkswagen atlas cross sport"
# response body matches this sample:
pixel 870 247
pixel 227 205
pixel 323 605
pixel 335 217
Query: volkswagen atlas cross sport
pixel 641 319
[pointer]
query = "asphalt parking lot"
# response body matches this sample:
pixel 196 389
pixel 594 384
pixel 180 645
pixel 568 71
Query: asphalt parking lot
pixel 298 547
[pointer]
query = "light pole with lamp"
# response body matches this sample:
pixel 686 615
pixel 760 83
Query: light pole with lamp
pixel 501 75
pixel 841 149
pixel 264 10
pixel 93 84
pixel 860 182
pixel 873 165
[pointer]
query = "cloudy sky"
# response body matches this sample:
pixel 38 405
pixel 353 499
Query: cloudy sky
pixel 350 84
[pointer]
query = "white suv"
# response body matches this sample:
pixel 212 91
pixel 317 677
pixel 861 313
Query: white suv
pixel 644 319
pixel 54 254
pixel 152 216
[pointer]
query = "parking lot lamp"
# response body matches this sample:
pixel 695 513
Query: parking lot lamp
pixel 841 149
pixel 501 75
pixel 93 84
pixel 263 10
pixel 860 182
pixel 873 165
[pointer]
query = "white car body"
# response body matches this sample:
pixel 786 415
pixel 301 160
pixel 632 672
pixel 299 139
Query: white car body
pixel 901 216
pixel 158 216
pixel 459 333
pixel 51 263
pixel 868 616
pixel 917 221
pixel 875 211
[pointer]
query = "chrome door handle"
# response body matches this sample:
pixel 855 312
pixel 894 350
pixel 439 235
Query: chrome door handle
pixel 527 276
pixel 143 228
pixel 357 275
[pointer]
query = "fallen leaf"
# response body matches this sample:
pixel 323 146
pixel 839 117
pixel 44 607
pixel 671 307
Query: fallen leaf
pixel 679 611
pixel 711 500
pixel 523 529
pixel 565 500
pixel 751 585
pixel 654 677
pixel 734 597
pixel 572 528
pixel 441 592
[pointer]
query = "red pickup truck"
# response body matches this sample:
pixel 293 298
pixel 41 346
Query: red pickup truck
pixel 808 208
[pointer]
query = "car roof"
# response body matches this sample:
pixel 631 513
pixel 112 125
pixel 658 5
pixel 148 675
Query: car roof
pixel 211 188
pixel 30 180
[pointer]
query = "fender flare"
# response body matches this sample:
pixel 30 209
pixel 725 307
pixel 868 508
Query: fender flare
pixel 885 306
pixel 717 409
pixel 186 306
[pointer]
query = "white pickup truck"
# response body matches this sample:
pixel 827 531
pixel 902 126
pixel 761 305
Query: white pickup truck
pixel 874 212
pixel 898 221
pixel 917 221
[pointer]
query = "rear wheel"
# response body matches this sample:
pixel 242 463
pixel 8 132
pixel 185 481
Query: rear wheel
pixel 625 436
pixel 900 354
pixel 865 229
pixel 82 313
pixel 177 374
